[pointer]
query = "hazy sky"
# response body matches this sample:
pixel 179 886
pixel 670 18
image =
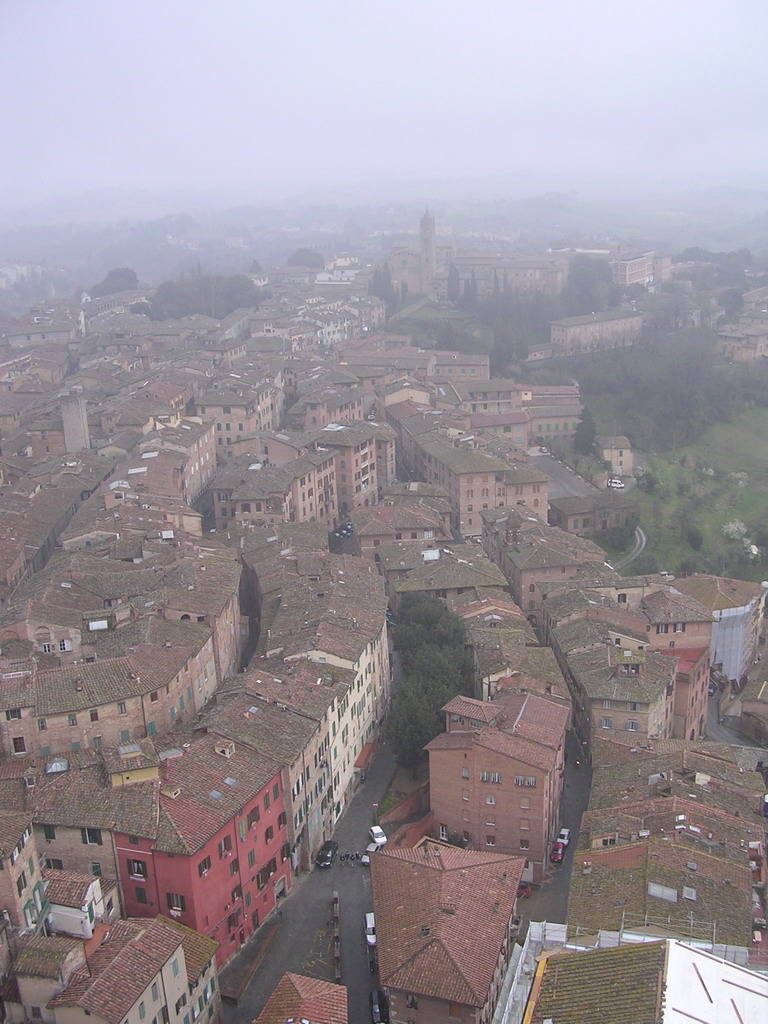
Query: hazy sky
pixel 243 93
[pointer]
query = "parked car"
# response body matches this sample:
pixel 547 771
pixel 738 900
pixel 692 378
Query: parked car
pixel 558 852
pixel 370 848
pixel 524 890
pixel 377 835
pixel 564 836
pixel 370 929
pixel 379 1007
pixel 616 483
pixel 543 450
pixel 327 852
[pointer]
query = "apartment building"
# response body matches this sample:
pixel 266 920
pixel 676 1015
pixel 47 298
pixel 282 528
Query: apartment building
pixel 131 972
pixel 238 412
pixel 496 775
pixel 217 859
pixel 447 956
pixel 304 490
pixel 331 615
pixel 476 482
pixel 22 886
pixel 595 332
pixel 738 608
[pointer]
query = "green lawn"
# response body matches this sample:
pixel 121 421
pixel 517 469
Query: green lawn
pixel 702 487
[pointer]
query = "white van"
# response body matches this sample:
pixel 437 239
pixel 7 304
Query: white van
pixel 370 929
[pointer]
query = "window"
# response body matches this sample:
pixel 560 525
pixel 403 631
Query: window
pixel 96 742
pixel 14 714
pixel 276 791
pixel 632 726
pixel 94 715
pixel 141 894
pixel 524 844
pixel 484 776
pixel 155 991
pixel 142 1011
pixel 606 723
pixel 266 801
pixel 49 831
pixel 121 708
pixel 525 824
pixel 237 892
pixel 490 840
pixel 72 719
pixel 607 705
pixel 125 736
pixel 465 773
pixel 253 816
pixel 96 868
pixel 154 697
pixel 234 866
pixel 176 901
pixel 21 883
pixel 137 868
pixel 54 862
pixel 444 832
pixel 631 705
pixel 490 800
pixel 65 645
pixel 411 1002
pixel 495 777
pixel 42 725
pixel 91 836
pixel 269 834
pixel 37 1013
pixel 19 746
pixel 204 866
pixel 47 648
pixel 225 846
pixel 662 627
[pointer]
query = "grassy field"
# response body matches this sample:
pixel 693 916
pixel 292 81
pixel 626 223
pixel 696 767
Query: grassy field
pixel 448 327
pixel 721 479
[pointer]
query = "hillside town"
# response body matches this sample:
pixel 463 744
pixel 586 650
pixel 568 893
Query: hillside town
pixel 211 533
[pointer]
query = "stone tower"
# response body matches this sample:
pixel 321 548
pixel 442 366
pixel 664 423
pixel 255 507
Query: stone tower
pixel 427 253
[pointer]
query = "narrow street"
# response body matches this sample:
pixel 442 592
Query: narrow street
pixel 550 901
pixel 303 940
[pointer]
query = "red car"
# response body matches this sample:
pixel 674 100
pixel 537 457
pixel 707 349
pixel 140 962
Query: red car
pixel 558 852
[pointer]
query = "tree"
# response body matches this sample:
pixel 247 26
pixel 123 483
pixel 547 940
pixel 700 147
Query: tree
pixel 122 279
pixel 590 287
pixel 210 295
pixel 431 644
pixel 584 435
pixel 453 284
pixel 306 258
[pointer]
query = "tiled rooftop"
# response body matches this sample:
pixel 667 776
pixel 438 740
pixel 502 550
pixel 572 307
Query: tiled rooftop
pixel 442 915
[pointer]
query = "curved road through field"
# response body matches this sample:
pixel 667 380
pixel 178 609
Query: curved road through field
pixel 640 541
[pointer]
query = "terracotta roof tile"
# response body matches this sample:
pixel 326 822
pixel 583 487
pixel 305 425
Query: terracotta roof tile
pixel 296 997
pixel 442 915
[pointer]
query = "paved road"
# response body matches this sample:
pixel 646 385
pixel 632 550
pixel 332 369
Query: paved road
pixel 303 942
pixel 304 939
pixel 640 541
pixel 550 901
pixel 565 483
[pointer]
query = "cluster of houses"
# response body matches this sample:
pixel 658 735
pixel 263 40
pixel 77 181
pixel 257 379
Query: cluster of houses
pixel 194 664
